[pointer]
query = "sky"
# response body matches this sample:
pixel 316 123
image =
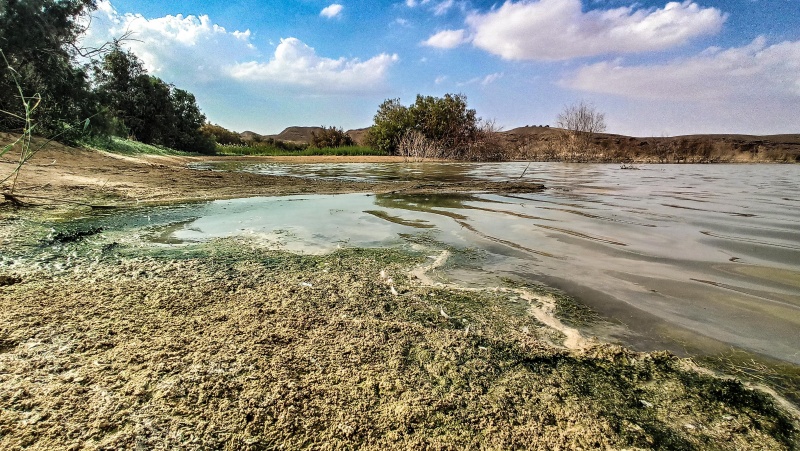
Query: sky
pixel 654 68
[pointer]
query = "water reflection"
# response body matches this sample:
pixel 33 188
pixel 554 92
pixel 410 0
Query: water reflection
pixel 669 251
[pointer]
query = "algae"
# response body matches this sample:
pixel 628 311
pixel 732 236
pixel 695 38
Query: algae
pixel 226 344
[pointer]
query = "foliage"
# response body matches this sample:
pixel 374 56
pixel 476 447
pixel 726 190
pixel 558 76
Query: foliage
pixel 274 151
pixel 330 137
pixel 24 143
pixel 391 122
pixel 220 134
pixel 124 146
pixel 38 38
pixel 444 123
pixel 146 108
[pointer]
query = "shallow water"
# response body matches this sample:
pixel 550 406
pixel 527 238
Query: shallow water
pixel 688 257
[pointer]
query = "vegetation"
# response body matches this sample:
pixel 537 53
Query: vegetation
pixel 581 122
pixel 112 95
pixel 24 141
pixel 330 137
pixel 220 134
pixel 38 40
pixel 433 127
pixel 276 151
pixel 124 146
pixel 146 108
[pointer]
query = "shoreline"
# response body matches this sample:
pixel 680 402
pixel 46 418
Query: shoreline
pixel 229 344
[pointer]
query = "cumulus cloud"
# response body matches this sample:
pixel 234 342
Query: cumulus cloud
pixel 172 46
pixel 446 39
pixel 559 29
pixel 295 63
pixel 756 70
pixel 331 11
pixel 192 49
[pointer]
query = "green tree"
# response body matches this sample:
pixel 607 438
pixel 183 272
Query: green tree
pixel 116 78
pixel 330 137
pixel 38 39
pixel 221 135
pixel 391 122
pixel 146 108
pixel 446 123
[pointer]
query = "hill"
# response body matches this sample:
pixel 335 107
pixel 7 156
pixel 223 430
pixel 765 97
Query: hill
pixel 545 143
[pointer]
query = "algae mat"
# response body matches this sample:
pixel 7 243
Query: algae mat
pixel 226 345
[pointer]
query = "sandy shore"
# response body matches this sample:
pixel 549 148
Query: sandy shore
pixel 60 173
pixel 110 344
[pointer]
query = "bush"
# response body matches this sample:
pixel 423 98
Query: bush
pixel 580 122
pixel 330 137
pixel 441 123
pixel 220 134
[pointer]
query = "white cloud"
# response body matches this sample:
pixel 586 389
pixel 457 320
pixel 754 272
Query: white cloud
pixel 187 50
pixel 414 3
pixel 446 39
pixel 443 7
pixel 440 79
pixel 485 81
pixel 297 64
pixel 560 29
pixel 172 47
pixel 491 78
pixel 751 89
pixel 753 71
pixel 331 11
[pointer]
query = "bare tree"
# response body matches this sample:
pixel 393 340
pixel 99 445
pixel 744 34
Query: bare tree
pixel 415 146
pixel 581 121
pixel 488 144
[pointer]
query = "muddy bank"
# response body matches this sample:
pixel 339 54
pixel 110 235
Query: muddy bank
pixel 115 343
pixel 228 345
pixel 65 174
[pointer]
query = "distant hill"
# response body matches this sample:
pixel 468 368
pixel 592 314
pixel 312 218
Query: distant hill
pixel 302 135
pixel 291 134
pixel 542 143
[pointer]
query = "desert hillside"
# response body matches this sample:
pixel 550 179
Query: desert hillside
pixel 546 144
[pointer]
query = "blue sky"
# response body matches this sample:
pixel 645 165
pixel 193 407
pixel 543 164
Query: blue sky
pixel 654 67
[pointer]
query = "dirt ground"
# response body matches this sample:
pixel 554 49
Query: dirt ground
pixel 228 345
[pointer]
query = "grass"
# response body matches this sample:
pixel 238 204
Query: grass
pixel 129 147
pixel 273 151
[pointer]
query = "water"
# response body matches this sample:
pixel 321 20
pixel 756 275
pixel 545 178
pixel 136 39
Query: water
pixel 687 257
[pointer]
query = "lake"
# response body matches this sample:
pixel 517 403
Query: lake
pixel 692 258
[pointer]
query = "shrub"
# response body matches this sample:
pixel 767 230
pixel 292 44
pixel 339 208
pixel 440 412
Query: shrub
pixel 330 137
pixel 220 134
pixel 445 123
pixel 580 121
